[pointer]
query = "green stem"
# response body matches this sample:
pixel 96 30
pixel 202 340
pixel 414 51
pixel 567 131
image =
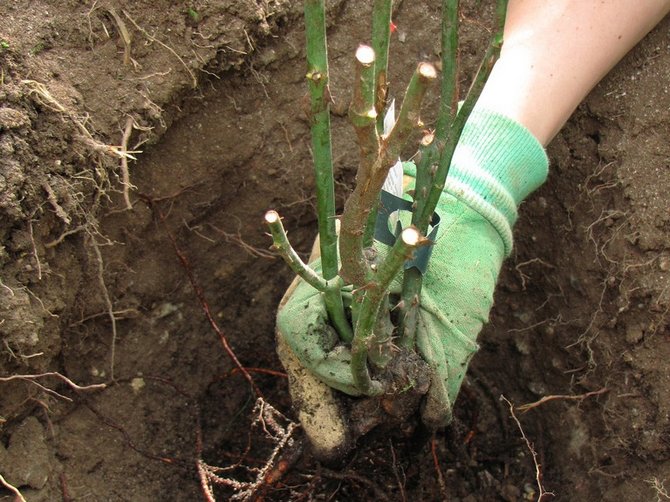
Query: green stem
pixel 381 36
pixel 409 117
pixel 286 251
pixel 362 112
pixel 330 288
pixel 317 80
pixel 449 59
pixel 410 239
pixel 332 298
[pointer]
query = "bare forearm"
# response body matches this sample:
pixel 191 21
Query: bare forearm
pixel 556 51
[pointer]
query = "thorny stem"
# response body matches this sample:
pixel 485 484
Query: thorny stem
pixel 362 112
pixel 362 115
pixel 330 288
pixel 381 35
pixel 437 152
pixel 376 290
pixel 409 116
pixel 372 173
pixel 408 120
pixel 318 80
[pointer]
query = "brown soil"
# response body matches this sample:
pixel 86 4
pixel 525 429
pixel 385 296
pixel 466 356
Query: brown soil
pixel 92 290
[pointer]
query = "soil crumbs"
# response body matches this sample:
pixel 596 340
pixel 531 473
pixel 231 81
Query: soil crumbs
pixel 207 97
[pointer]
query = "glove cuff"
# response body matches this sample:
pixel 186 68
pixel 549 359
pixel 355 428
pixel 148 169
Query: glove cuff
pixel 497 164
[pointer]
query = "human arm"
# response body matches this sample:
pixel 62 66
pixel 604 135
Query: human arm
pixel 556 51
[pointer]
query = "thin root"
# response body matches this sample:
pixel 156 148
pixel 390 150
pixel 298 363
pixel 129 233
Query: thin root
pixel 124 162
pixel 542 495
pixel 527 407
pixel 194 80
pixel 12 489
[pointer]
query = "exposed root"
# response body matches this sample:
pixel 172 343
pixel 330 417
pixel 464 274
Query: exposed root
pixel 194 80
pixel 660 489
pixel 125 175
pixel 542 495
pixel 35 254
pixel 438 470
pixel 108 304
pixel 529 406
pixel 13 489
pixel 280 430
pixel 53 200
pixel 45 98
pixel 525 277
pixel 33 379
pixel 236 238
pixel 125 36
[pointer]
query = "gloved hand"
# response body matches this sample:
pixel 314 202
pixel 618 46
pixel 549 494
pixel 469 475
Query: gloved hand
pixel 496 165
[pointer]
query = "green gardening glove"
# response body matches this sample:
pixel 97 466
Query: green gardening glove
pixel 496 165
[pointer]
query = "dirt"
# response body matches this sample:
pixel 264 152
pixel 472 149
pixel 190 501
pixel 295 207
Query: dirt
pixel 104 295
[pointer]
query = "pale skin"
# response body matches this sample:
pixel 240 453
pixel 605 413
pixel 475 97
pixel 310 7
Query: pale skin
pixel 556 51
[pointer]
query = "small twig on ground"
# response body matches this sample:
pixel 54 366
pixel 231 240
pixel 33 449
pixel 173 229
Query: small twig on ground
pixel 542 495
pixel 529 406
pixel 13 489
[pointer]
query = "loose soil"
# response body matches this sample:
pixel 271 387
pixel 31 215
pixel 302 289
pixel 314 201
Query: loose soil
pixel 214 93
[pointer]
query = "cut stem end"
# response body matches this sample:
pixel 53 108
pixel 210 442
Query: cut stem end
pixel 365 55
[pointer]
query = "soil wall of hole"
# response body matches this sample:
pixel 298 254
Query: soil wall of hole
pixel 216 96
